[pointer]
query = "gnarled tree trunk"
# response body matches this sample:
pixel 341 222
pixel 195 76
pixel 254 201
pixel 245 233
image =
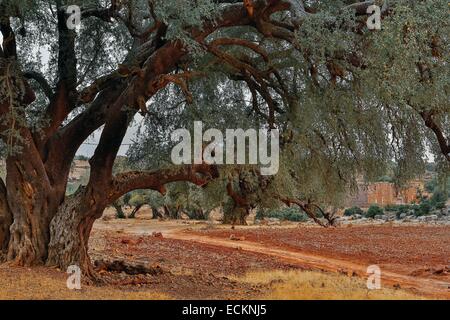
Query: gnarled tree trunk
pixel 5 220
pixel 70 230
pixel 32 205
pixel 156 214
pixel 197 214
pixel 119 211
pixel 172 212
pixel 135 211
pixel 237 216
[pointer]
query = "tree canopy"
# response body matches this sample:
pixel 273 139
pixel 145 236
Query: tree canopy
pixel 347 101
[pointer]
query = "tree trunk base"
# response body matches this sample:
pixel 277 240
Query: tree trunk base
pixel 24 248
pixel 129 268
pixel 69 236
pixel 237 217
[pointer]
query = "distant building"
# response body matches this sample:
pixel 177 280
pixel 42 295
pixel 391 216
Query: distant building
pixel 386 193
pixel 79 169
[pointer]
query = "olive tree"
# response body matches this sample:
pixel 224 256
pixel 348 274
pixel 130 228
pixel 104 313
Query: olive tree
pixel 345 99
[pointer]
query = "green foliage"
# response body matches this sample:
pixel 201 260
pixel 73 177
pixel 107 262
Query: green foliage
pixel 373 211
pixel 288 214
pixel 333 128
pixel 182 15
pixel 439 200
pixel 385 179
pixel 399 208
pixel 82 158
pixel 424 208
pixel 12 92
pixel 353 211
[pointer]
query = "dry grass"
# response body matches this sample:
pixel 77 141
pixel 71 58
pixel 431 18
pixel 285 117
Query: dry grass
pixel 307 285
pixel 49 284
pixel 42 283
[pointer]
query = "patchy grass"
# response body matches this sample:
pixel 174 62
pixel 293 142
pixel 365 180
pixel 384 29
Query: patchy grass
pixel 308 285
pixel 40 283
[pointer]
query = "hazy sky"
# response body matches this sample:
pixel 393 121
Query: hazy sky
pixel 88 148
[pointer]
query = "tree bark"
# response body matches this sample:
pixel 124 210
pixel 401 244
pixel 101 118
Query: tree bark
pixel 238 216
pixel 45 226
pixel 197 214
pixel 119 211
pixel 240 210
pixel 172 212
pixel 5 219
pixel 135 211
pixel 32 204
pixel 156 214
pixel 70 230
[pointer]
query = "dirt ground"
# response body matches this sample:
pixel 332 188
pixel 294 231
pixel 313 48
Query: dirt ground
pixel 204 260
pixel 415 250
pixel 187 265
pixel 411 257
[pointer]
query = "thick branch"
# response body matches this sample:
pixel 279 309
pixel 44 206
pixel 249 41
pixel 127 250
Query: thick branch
pixel 360 8
pixel 9 39
pixel 308 208
pixel 105 14
pixel 133 91
pixel 444 143
pixel 43 83
pixel 123 183
pixel 5 218
pixel 110 141
pixel 238 200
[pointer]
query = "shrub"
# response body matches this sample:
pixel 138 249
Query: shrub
pixel 439 200
pixel 391 208
pixel 423 209
pixel 415 208
pixel 398 209
pixel 288 214
pixel 353 211
pixel 403 208
pixel 373 211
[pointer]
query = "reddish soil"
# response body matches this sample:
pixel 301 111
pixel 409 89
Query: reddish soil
pixel 185 265
pixel 410 257
pixel 413 250
pixel 182 256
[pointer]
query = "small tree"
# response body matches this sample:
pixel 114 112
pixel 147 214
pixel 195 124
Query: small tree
pixel 373 211
pixel 439 200
pixel 353 211
pixel 137 201
pixel 120 214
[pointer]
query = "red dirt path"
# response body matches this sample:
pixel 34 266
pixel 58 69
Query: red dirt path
pixel 410 257
pixel 412 250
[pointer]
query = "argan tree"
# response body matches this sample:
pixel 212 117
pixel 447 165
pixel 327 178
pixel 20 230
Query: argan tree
pixel 346 99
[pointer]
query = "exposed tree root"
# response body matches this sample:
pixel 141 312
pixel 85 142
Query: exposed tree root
pixel 127 267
